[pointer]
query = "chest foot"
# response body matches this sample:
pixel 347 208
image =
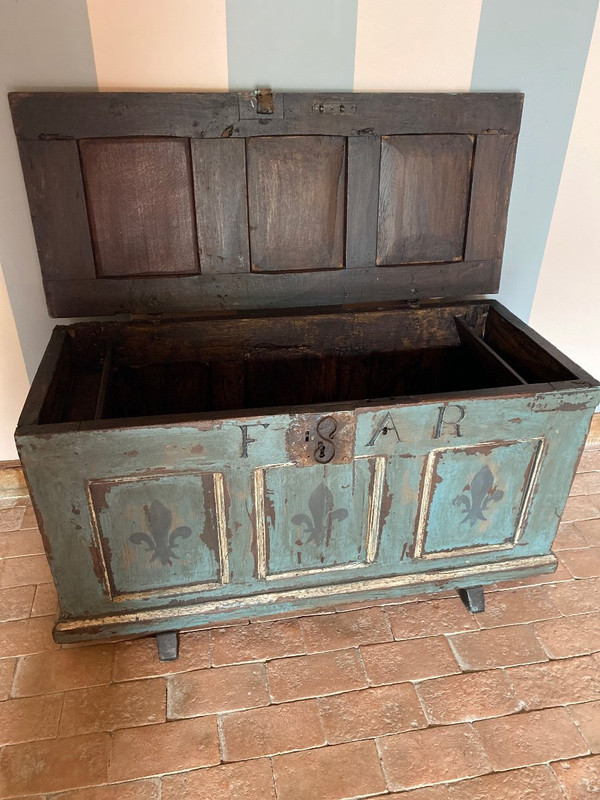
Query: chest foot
pixel 168 646
pixel 473 599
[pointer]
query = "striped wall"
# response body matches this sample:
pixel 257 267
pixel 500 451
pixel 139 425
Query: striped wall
pixel 550 49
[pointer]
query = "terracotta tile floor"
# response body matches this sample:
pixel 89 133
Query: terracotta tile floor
pixel 416 699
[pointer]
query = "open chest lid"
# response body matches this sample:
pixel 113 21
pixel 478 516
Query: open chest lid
pixel 169 203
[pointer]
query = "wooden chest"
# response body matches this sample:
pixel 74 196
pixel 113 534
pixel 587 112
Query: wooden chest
pixel 280 417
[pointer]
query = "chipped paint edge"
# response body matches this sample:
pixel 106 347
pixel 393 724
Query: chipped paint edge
pixel 120 597
pixel 272 599
pixel 371 536
pixel 423 516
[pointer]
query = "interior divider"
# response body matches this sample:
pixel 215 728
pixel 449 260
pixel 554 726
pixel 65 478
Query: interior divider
pixel 497 366
pixel 104 381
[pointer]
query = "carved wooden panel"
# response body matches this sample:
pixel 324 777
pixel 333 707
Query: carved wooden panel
pixel 221 204
pixel 160 533
pixel 318 518
pixel 423 198
pixel 140 203
pixel 475 498
pixel 296 202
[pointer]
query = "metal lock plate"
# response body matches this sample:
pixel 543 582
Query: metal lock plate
pixel 322 438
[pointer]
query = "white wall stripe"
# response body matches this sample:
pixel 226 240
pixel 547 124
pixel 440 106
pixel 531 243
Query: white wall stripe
pixel 406 46
pixel 154 45
pixel 42 46
pixel 567 299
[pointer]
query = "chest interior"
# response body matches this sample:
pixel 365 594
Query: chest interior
pixel 116 371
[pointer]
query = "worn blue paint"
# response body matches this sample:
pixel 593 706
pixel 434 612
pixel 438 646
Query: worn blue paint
pixel 538 47
pixel 477 494
pixel 315 509
pixel 157 533
pixel 166 464
pixel 297 45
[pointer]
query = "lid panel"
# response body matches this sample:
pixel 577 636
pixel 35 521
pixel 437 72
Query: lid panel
pixel 221 206
pixel 423 197
pixel 141 206
pixel 167 209
pixel 296 202
pixel 490 193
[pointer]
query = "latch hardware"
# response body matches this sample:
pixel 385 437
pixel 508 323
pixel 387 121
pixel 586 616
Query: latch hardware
pixel 334 108
pixel 264 98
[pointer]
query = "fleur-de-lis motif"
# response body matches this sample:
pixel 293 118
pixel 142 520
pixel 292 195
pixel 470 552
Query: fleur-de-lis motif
pixel 322 516
pixel 483 492
pixel 160 542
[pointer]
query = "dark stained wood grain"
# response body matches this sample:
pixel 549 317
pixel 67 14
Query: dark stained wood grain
pixel 80 115
pixel 104 383
pixel 423 195
pixel 296 188
pixel 198 293
pixel 363 196
pixel 56 352
pixel 516 341
pixel 58 210
pixel 227 384
pixel 311 180
pixel 300 333
pixel 221 204
pixel 490 193
pixel 140 202
pixel 499 369
pixel 84 115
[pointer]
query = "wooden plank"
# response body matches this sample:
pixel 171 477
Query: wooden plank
pixel 213 115
pixel 301 223
pixel 494 363
pixel 301 333
pixel 141 206
pixel 221 206
pixel 104 381
pixel 217 293
pixel 362 203
pixel 490 193
pixel 57 202
pixel 423 195
pixel 296 194
pixel 511 337
pixel 84 115
pixel 55 353
pixel 386 113
pixel 227 385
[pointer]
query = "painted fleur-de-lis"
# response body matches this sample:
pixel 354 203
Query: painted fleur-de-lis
pixel 483 492
pixel 322 516
pixel 162 539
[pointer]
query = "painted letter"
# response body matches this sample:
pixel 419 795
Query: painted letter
pixel 454 423
pixel 246 440
pixel 386 424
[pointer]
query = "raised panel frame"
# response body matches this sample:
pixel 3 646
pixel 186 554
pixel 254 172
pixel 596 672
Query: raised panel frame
pixel 45 121
pixel 102 547
pixel 372 530
pixel 428 488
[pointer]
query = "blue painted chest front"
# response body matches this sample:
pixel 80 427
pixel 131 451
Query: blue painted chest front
pixel 283 420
